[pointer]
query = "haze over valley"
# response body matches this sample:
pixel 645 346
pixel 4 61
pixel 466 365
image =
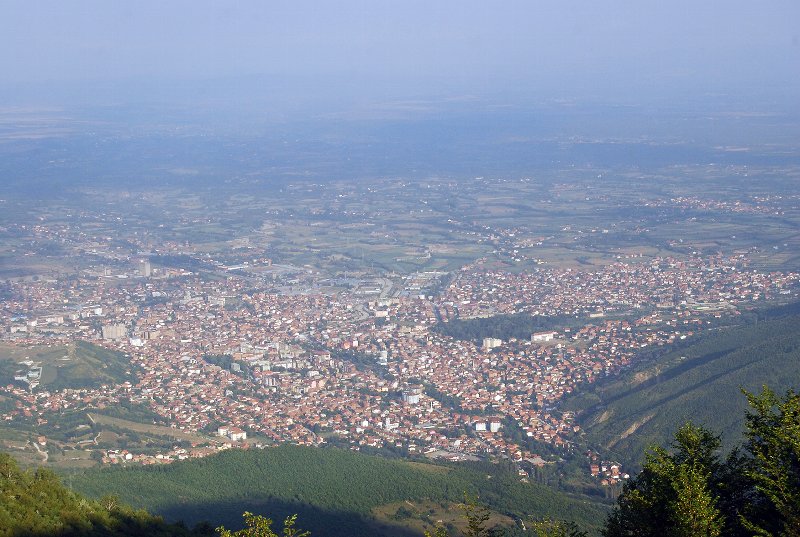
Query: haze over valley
pixel 483 272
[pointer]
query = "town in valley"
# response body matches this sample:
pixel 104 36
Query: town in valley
pixel 439 317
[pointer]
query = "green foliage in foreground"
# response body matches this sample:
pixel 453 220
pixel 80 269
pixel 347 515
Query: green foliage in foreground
pixel 699 382
pixel 690 491
pixel 333 491
pixel 35 503
pixel 259 526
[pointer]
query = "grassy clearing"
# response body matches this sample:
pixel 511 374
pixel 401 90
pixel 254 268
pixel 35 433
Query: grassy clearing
pixel 156 430
pixel 77 365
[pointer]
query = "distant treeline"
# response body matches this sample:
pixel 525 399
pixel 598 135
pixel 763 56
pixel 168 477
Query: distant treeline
pixel 222 360
pixel 449 401
pixel 699 381
pixel 505 327
pixel 225 361
pixel 6 291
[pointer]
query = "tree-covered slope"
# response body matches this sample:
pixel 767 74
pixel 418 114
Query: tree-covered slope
pixel 700 382
pixel 333 491
pixel 36 504
pixel 691 488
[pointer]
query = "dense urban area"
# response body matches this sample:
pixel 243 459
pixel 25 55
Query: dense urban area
pixel 235 343
pixel 399 269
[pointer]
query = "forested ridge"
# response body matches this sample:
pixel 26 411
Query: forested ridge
pixel 700 382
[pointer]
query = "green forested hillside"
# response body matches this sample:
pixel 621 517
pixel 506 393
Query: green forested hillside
pixel 691 488
pixel 333 491
pixel 36 504
pixel 700 382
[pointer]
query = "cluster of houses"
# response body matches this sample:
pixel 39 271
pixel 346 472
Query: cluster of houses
pixel 315 368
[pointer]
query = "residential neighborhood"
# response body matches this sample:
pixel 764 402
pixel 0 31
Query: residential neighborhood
pixel 249 366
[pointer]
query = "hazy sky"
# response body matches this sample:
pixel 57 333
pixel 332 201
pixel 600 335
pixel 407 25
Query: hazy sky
pixel 546 47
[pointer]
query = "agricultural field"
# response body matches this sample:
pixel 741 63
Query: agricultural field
pixel 568 216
